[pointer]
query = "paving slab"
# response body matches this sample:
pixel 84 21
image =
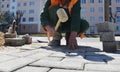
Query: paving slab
pixel 4 58
pixel 64 70
pixel 58 64
pixel 102 67
pixel 14 64
pixel 33 69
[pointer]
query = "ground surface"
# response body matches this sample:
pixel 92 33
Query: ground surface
pixel 38 57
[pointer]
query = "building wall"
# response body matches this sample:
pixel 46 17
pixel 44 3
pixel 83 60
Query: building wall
pixel 92 12
pixel 5 5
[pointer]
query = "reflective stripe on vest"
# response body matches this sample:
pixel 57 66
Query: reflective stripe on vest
pixel 69 5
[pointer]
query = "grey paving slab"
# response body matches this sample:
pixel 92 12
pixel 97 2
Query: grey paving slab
pixel 63 70
pixel 24 54
pixel 52 58
pixel 38 56
pixel 58 64
pixel 102 67
pixel 9 50
pixel 14 64
pixel 94 59
pixel 33 69
pixel 4 58
pixel 114 61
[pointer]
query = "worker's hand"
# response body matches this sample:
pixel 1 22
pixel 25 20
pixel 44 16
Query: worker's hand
pixel 50 30
pixel 72 44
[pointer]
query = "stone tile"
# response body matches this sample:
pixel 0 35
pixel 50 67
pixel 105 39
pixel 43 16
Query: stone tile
pixel 38 55
pixel 106 27
pixel 110 46
pixel 33 69
pixel 52 58
pixel 57 64
pixel 63 70
pixel 14 64
pixel 107 36
pixel 4 58
pixel 24 54
pixel 114 61
pixel 59 54
pixel 72 59
pixel 102 67
pixel 94 59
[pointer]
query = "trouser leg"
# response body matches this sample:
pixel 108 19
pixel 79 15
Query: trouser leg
pixel 67 35
pixel 84 25
pixel 56 40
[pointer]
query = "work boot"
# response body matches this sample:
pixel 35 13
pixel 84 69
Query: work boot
pixel 56 40
pixel 67 38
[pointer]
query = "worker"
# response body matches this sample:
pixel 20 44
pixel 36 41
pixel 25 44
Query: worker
pixel 73 27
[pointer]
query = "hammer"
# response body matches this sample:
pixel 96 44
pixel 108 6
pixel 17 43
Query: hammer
pixel 62 17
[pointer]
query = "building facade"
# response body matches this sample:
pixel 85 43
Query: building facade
pixel 91 10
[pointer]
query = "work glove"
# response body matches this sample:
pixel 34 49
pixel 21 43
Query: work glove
pixel 72 43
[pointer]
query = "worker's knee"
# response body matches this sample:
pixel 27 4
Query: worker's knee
pixel 84 25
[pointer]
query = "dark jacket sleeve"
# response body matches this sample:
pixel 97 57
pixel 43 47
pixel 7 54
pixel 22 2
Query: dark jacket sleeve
pixel 75 17
pixel 44 17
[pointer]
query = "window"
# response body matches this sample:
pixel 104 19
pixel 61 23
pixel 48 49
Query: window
pixel 118 18
pixel 25 4
pixel 100 9
pixel 31 11
pixel 117 9
pixel 84 18
pixel 18 4
pixel 100 19
pixel 83 1
pixel 31 19
pixel 83 10
pixel 32 3
pixel 13 0
pixel 92 19
pixel 24 19
pixel 2 6
pixel 92 10
pixel 91 1
pixel 110 2
pixel 118 28
pixel 3 0
pixel 92 29
pixel 117 1
pixel 100 1
pixel 13 7
pixel 24 12
pixel 7 5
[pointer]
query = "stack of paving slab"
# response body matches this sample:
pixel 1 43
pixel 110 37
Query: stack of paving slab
pixel 13 40
pixel 107 36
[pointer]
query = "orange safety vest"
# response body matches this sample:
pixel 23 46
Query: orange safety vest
pixel 69 5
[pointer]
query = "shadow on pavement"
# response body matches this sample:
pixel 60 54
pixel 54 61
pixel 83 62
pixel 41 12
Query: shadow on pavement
pixel 87 52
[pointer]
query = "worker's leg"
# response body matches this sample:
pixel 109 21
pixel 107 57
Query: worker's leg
pixel 56 40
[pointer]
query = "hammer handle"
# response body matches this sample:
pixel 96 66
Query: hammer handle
pixel 57 25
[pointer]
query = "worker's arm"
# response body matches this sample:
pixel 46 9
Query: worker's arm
pixel 44 17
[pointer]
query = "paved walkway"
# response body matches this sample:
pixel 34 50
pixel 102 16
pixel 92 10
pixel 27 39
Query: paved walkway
pixel 38 57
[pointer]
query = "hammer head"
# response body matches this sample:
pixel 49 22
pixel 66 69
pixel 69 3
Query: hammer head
pixel 62 15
